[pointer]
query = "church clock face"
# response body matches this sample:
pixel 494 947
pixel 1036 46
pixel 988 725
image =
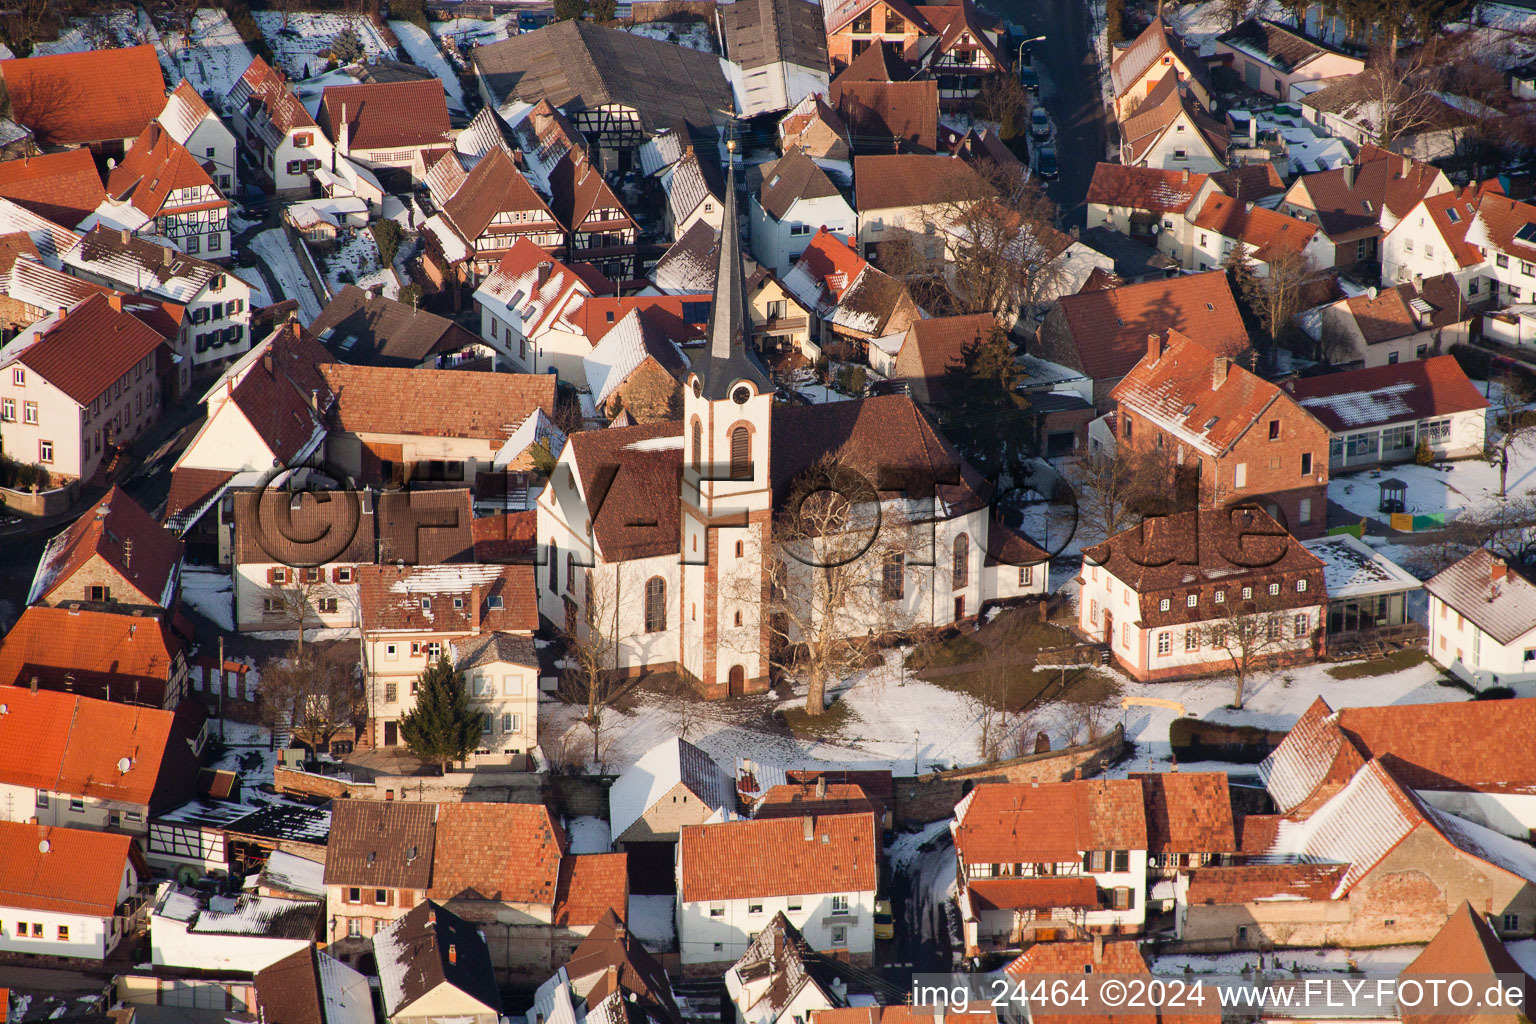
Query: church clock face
pixel 741 395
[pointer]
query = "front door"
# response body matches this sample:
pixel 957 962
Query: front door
pixel 737 681
pixel 391 734
pixel 959 607
pixel 1109 626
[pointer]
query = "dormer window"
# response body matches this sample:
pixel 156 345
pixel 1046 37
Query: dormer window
pixel 426 604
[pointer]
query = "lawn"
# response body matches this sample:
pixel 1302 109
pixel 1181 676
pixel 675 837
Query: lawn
pixel 1394 662
pixel 830 724
pixel 996 664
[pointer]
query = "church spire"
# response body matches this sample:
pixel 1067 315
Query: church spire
pixel 730 356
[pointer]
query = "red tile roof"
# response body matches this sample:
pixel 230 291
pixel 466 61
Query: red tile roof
pixel 1033 893
pixel 274 394
pixel 1391 393
pixel 1467 945
pixel 155 166
pixel 495 186
pixel 1266 233
pixel 1110 328
pixel 1249 882
pixel 504 536
pixel 69 744
pixel 875 111
pixel 444 403
pixel 503 852
pixel 1452 213
pixel 93 96
pixel 390 598
pixel 592 885
pixel 101 654
pixel 1187 812
pixel 93 346
pixel 64 187
pixel 267 87
pixel 1055 821
pixel 1389 315
pixel 773 857
pixel 791 799
pixel 1143 188
pixel 908 179
pixel 1178 394
pixel 191 487
pixel 387 115
pixel 122 534
pixel 1424 745
pixel 61 870
pixel 680 317
pixel 578 189
pixel 1116 957
pixel 1499 218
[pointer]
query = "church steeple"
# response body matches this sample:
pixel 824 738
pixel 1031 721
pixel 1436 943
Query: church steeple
pixel 730 356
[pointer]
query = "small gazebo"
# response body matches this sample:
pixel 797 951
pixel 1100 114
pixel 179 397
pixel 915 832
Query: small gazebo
pixel 1393 495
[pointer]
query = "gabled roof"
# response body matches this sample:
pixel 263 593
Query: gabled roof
pixel 540 288
pixel 281 392
pixel 423 527
pixel 1053 821
pixel 792 177
pixel 624 347
pixel 932 346
pixel 261 85
pixel 544 135
pixel 577 189
pixel 842 287
pixel 63 186
pixel 425 598
pixel 1504 224
pixel 508 853
pixel 778 857
pixel 658 770
pixel 880 62
pixel 1115 956
pixel 578 65
pixel 1350 199
pixel 1357 99
pixel 381 843
pixel 184 110
pixel 691 182
pixel 612 954
pixel 155 166
pixel 1281 48
pixel 813 107
pixel 591 886
pixel 430 947
pixel 1408 309
pixel 61 870
pixel 1110 327
pixel 1265 232
pixel 387 115
pixel 1159 112
pixel 122 534
pixel 379 331
pixel 1144 51
pixel 1221 546
pixel 65 743
pixel 445 403
pixel 312 987
pixel 688 265
pixel 497 648
pixel 83 352
pixel 493 186
pixel 1187 812
pixel 961 21
pixel 1467 945
pixel 138 264
pixel 1391 393
pixel 905 111
pixel 1250 182
pixel 1503 608
pixel 763 32
pixel 890 181
pixel 1153 189
pixel 634 469
pixel 779 964
pixel 90 96
pixel 1248 883
pixel 1177 391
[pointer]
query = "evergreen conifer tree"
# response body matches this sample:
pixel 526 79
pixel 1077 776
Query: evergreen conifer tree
pixel 442 727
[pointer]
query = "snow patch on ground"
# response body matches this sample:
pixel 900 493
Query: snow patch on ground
pixel 474 31
pixel 587 834
pixel 298 44
pixel 696 35
pixel 272 246
pixel 212 59
pixel 653 919
pixel 1383 960
pixel 211 593
pixel 926 860
pixel 358 257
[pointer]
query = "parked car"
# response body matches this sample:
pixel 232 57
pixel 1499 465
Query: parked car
pixel 1029 78
pixel 1045 163
pixel 885 921
pixel 1039 124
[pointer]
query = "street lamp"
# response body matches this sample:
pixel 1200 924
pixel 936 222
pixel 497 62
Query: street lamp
pixel 1023 43
pixel 915 736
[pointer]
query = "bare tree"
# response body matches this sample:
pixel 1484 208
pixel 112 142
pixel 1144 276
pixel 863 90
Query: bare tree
pixel 1514 426
pixel 1235 10
pixel 1115 489
pixel 315 692
pixel 1401 94
pixel 301 595
pixel 837 573
pixel 591 679
pixel 1249 632
pixel 1276 297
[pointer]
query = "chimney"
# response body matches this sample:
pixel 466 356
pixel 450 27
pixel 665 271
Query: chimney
pixel 1155 347
pixel 344 134
pixel 1349 175
pixel 115 300
pixel 453 953
pixel 474 615
pixel 1496 572
pixel 32 684
pixel 821 787
pixel 63 312
pixel 1098 950
pixel 808 823
pixel 167 254
pixel 544 271
pixel 1075 231
pixel 1077 773
pixel 1253 132
pixel 1219 372
pixel 266 361
pixel 124 234
pixel 314 399
pixel 1184 176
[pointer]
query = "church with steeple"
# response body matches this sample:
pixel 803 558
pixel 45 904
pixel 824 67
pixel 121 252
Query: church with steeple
pixel 655 541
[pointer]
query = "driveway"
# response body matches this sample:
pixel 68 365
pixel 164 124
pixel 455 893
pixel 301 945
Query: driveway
pixel 1069 87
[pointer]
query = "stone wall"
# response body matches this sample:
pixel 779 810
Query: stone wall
pixel 928 798
pixel 567 796
pixel 40 503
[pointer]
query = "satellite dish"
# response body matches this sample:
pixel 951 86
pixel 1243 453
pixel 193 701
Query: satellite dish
pixel 43 846
pixel 5 709
pixel 123 764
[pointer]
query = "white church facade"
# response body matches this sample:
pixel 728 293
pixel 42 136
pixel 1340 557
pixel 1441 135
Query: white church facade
pixel 663 535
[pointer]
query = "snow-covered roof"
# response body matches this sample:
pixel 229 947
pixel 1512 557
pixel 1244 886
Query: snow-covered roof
pixel 535 428
pixel 657 771
pixel 116 217
pixel 259 917
pixel 1352 569
pixel 622 349
pixel 889 343
pixel 344 991
pixel 452 245
pixel 50 239
pixel 291 873
pixel 1358 408
pixel 1484 843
